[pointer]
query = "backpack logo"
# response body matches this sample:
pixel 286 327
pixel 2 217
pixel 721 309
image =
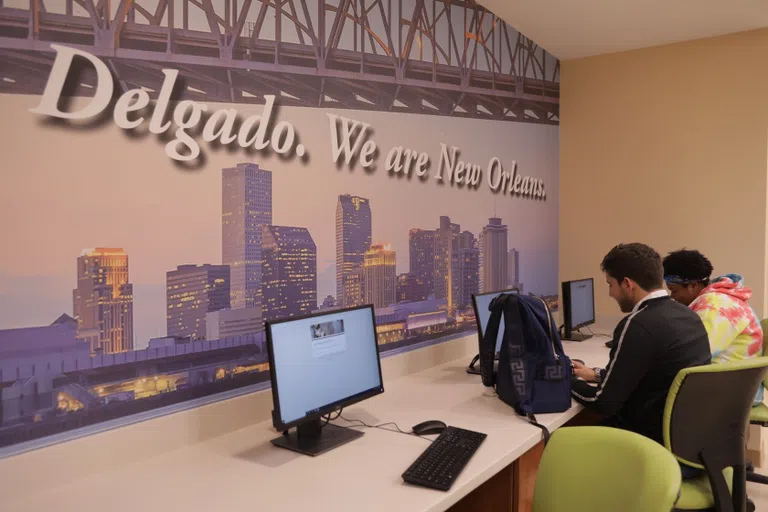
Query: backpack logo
pixel 517 368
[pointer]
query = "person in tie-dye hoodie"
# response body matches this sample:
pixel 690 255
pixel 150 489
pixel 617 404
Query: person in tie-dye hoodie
pixel 732 325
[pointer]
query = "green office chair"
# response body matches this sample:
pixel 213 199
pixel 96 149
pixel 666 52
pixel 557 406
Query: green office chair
pixel 605 469
pixel 759 414
pixel 705 426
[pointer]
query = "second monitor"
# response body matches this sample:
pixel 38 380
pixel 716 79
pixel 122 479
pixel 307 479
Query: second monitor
pixel 480 303
pixel 578 308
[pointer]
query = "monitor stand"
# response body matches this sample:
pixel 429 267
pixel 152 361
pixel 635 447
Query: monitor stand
pixel 312 438
pixel 577 335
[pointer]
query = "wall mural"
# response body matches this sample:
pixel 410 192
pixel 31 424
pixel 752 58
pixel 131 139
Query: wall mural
pixel 176 172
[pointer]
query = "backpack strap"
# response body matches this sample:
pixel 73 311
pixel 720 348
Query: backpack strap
pixel 532 421
pixel 476 360
pixel 488 343
pixel 515 344
pixel 560 370
pixel 513 332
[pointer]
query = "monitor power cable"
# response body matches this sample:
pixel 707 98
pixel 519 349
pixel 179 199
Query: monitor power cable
pixel 328 418
pixel 593 333
pixel 381 426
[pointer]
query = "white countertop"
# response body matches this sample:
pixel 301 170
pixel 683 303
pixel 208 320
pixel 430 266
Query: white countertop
pixel 244 471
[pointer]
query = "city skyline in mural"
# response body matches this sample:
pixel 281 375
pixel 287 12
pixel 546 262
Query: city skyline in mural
pixel 277 272
pixel 136 282
pixel 382 240
pixel 412 273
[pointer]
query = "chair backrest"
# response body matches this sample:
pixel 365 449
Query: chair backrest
pixel 764 325
pixel 626 472
pixel 707 411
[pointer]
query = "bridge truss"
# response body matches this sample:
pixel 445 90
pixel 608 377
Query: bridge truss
pixel 441 57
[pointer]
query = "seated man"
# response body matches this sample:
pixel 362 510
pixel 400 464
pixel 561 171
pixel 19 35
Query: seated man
pixel 734 330
pixel 653 343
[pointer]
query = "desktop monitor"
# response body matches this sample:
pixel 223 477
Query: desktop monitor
pixel 321 363
pixel 480 303
pixel 578 308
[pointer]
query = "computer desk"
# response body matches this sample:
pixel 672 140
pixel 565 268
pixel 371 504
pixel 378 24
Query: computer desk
pixel 244 471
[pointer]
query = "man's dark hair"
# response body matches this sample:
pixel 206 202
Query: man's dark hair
pixel 638 262
pixel 689 265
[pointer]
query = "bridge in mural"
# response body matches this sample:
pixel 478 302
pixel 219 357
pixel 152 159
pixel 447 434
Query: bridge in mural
pixel 440 57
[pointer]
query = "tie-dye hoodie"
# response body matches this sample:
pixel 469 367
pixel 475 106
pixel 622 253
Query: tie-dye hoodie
pixel 733 327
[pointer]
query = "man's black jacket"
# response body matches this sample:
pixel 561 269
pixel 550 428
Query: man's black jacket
pixel 651 345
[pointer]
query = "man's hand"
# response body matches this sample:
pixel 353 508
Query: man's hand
pixel 582 372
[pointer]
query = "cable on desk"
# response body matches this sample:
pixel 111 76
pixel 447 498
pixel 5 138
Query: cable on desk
pixel 328 418
pixel 381 426
pixel 593 333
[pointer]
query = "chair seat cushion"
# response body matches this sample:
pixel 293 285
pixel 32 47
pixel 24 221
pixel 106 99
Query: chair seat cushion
pixel 696 493
pixel 759 414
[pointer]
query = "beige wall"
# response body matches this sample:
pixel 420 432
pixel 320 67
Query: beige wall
pixel 667 146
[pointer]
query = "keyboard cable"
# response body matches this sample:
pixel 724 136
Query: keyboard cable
pixel 361 423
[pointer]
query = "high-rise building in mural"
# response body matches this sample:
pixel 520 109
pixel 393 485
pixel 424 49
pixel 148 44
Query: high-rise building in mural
pixel 353 239
pixel 446 261
pixel 379 276
pixel 192 292
pixel 103 300
pixel 493 256
pixel 422 258
pixel 513 268
pixel 409 288
pixel 445 243
pixel 289 272
pixel 466 269
pixel 246 206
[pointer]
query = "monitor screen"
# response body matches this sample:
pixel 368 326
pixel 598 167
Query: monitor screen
pixel 582 302
pixel 481 303
pixel 323 360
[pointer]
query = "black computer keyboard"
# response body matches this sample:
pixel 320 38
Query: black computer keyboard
pixel 440 464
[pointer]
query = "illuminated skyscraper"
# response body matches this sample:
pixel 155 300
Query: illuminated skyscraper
pixel 246 207
pixel 191 292
pixel 493 256
pixel 513 268
pixel 103 300
pixel 353 239
pixel 409 288
pixel 445 260
pixel 445 245
pixel 466 269
pixel 379 276
pixel 422 258
pixel 289 274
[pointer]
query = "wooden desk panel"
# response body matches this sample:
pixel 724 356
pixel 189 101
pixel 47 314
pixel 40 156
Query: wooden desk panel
pixel 512 489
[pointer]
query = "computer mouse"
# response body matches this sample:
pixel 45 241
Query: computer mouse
pixel 429 427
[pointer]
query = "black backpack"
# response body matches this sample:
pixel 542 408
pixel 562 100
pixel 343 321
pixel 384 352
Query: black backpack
pixel 534 374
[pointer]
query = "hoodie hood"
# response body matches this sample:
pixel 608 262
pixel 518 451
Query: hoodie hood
pixel 730 284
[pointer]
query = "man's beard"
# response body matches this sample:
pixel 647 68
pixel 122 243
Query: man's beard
pixel 625 303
